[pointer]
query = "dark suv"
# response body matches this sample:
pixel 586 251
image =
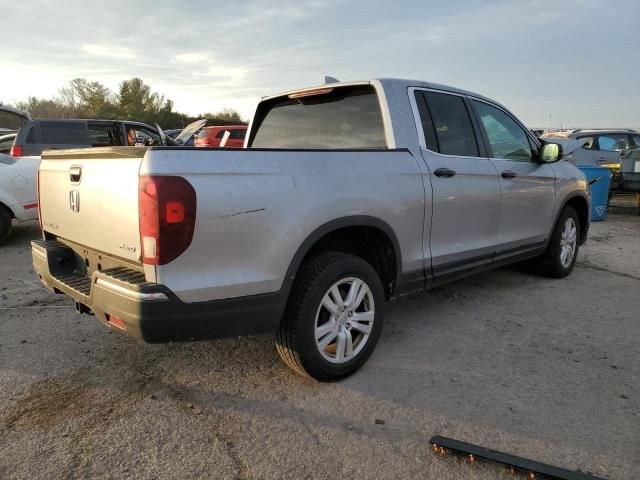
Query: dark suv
pixel 41 134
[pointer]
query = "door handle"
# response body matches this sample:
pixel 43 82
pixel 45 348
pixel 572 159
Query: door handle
pixel 75 174
pixel 444 172
pixel 509 174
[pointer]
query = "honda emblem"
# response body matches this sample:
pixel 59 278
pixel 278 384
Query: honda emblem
pixel 74 200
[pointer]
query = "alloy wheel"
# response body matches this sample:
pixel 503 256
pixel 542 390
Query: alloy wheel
pixel 344 320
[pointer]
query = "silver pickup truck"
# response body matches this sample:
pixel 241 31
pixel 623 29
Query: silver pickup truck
pixel 346 196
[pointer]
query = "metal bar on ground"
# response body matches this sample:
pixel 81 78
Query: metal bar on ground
pixel 523 465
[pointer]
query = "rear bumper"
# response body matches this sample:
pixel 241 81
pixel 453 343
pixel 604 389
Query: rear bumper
pixel 149 311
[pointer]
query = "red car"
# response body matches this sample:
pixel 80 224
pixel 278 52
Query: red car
pixel 212 136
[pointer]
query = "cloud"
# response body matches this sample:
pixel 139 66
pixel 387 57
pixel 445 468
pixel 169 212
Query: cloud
pixel 535 57
pixel 108 51
pixel 193 57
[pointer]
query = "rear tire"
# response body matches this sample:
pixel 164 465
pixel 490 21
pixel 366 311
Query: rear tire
pixel 560 257
pixel 334 317
pixel 5 224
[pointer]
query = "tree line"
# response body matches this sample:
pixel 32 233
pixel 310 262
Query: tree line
pixel 134 100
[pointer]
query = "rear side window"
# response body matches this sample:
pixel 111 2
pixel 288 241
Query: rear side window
pixel 452 124
pixel 64 133
pixel 342 117
pixel 636 140
pixel 220 134
pixel 507 139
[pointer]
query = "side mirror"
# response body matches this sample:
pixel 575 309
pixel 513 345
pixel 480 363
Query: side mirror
pixel 550 152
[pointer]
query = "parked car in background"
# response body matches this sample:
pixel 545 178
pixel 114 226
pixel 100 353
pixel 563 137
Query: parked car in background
pixel 601 147
pixel 18 197
pixel 348 195
pixel 40 134
pixel 6 142
pixel 212 136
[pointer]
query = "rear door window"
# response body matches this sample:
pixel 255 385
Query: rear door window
pixel 428 130
pixel 332 118
pixel 507 139
pixel 64 133
pixel 105 134
pixel 613 142
pixel 237 134
pixel 452 124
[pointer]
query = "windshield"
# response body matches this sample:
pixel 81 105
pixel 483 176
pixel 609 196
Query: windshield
pixel 344 117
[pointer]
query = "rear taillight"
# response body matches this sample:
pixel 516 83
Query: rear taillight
pixel 16 151
pixel 167 210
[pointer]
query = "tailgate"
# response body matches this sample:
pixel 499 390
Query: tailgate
pixel 90 197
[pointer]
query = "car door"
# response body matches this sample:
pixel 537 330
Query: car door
pixel 527 185
pixel 466 189
pixel 609 146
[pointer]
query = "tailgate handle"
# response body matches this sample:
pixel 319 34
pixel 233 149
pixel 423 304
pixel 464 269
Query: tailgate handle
pixel 75 174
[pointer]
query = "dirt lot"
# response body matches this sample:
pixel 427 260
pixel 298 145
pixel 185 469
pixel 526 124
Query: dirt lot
pixel 545 369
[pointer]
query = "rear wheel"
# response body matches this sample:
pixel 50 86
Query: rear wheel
pixel 560 257
pixel 5 224
pixel 334 318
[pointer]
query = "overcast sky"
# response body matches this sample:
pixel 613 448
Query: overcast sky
pixel 578 60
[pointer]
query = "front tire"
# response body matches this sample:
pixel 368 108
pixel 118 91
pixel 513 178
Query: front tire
pixel 334 317
pixel 5 224
pixel 560 257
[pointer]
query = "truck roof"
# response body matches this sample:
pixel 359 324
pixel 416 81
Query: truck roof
pixel 401 83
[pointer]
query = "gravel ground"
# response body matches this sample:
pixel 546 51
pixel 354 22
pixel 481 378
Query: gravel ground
pixel 544 369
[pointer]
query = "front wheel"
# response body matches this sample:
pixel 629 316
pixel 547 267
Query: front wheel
pixel 334 318
pixel 560 257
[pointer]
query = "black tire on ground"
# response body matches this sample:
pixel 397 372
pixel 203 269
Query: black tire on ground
pixel 549 263
pixel 5 224
pixel 296 342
